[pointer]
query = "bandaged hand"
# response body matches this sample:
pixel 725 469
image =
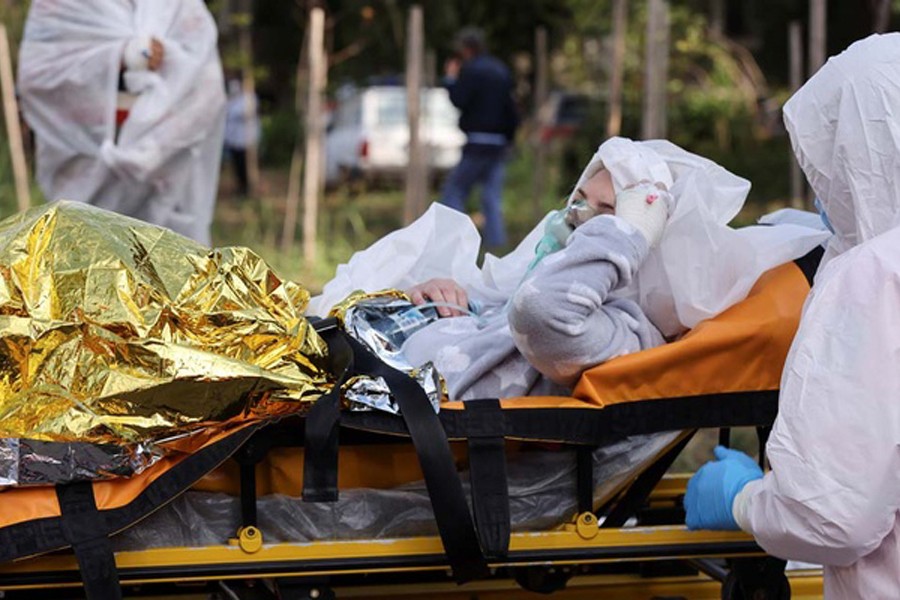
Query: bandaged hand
pixel 441 292
pixel 646 208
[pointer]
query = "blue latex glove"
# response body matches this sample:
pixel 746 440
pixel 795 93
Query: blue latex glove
pixel 711 491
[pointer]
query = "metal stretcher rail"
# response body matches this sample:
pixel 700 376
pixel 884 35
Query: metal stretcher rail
pixel 568 546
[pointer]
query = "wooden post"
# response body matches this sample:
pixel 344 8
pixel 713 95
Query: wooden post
pixel 314 133
pixel 431 78
pixel 717 18
pixel 13 130
pixel 817 35
pixel 416 167
pixel 881 15
pixel 248 88
pixel 657 70
pixel 617 68
pixel 795 48
pixel 292 202
pixel 541 88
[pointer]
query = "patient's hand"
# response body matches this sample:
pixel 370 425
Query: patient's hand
pixel 441 291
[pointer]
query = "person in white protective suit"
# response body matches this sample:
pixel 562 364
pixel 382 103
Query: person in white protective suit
pixel 832 495
pixel 79 59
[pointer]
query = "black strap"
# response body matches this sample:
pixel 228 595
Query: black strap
pixel 487 475
pixel 85 529
pixel 725 437
pixel 320 458
pixel 584 478
pixel 762 436
pixel 451 510
pixel 809 263
pixel 248 494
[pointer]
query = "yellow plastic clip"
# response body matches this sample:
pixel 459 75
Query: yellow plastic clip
pixel 250 539
pixel 586 525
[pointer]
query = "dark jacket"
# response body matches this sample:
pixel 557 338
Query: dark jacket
pixel 483 95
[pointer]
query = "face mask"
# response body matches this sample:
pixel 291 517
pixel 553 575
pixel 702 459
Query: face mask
pixel 578 212
pixel 818 204
pixel 556 232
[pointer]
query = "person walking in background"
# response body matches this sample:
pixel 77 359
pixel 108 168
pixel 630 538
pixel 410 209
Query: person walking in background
pixel 480 86
pixel 127 107
pixel 241 132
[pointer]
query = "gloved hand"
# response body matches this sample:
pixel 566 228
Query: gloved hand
pixel 711 491
pixel 646 208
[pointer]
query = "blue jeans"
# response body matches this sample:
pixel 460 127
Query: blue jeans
pixel 485 165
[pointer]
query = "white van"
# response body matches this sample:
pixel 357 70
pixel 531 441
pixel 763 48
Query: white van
pixel 369 134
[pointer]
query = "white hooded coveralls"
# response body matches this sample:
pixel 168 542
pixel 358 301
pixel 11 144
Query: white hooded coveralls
pixel 833 493
pixel 163 167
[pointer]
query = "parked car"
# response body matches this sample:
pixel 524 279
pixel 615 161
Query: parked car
pixel 562 114
pixel 368 135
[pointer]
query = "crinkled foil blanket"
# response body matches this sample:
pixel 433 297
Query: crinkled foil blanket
pixel 121 342
pixel 118 339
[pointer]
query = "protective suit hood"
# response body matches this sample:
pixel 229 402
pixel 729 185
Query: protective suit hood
pixel 845 132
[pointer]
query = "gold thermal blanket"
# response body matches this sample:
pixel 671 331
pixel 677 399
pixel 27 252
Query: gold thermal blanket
pixel 113 331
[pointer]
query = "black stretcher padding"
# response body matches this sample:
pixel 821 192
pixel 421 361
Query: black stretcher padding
pixel 321 431
pixel 451 510
pixel 487 475
pixel 85 530
pixel 597 426
pixel 44 535
pixel 638 492
pixel 584 478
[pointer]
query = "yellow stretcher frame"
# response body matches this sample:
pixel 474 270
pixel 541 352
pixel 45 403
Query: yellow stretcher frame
pixel 317 559
pixel 573 548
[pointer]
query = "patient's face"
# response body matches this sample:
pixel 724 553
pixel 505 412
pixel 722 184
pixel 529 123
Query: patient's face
pixel 598 192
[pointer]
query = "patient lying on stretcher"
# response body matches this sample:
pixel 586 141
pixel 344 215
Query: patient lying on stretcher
pixel 562 319
pixel 642 253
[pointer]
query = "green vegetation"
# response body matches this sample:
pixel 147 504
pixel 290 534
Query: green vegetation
pixel 725 94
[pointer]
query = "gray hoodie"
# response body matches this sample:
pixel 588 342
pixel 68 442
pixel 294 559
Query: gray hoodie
pixel 561 321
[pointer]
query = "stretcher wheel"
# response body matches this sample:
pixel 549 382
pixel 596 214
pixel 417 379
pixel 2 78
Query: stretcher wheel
pixel 542 580
pixel 779 589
